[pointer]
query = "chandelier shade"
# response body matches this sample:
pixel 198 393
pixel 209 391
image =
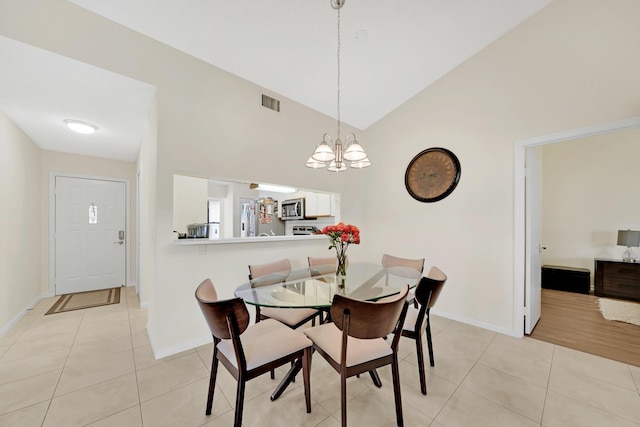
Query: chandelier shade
pixel 361 163
pixel 333 154
pixel 333 167
pixel 314 164
pixel 354 152
pixel 324 152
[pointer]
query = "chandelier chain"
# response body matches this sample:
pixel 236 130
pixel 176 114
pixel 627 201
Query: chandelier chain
pixel 335 153
pixel 338 80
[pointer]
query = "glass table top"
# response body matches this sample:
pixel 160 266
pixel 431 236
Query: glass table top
pixel 315 287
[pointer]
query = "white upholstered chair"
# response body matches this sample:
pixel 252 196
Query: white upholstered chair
pixel 353 341
pixel 248 351
pixel 323 265
pixel 404 267
pixel 279 271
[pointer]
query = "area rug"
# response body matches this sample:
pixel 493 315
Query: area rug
pixel 80 300
pixel 622 311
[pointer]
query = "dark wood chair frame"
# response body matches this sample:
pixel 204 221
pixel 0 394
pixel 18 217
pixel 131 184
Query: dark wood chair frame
pixel 426 295
pixel 228 319
pixel 367 320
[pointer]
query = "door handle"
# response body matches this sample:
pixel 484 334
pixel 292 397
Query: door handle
pixel 119 242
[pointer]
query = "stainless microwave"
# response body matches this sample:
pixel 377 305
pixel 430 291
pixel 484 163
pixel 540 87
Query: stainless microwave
pixel 293 209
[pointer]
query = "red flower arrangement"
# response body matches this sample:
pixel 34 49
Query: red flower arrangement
pixel 340 237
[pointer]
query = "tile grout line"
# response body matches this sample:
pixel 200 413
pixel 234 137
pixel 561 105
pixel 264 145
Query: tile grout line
pixel 64 365
pixel 133 353
pixel 546 393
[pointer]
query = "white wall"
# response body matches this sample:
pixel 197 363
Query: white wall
pixel 19 223
pixel 147 192
pixel 570 66
pixel 589 193
pixel 574 64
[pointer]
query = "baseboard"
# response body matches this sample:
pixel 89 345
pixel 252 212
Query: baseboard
pixel 143 304
pixel 21 314
pixel 159 353
pixel 472 322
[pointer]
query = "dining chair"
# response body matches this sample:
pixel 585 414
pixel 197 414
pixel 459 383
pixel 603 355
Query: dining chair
pixel 323 265
pixel 404 266
pixel 389 261
pixel 353 341
pixel 248 351
pixel 317 261
pixel 278 271
pixel 418 320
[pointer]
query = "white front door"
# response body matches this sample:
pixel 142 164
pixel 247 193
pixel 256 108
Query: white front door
pixel 533 236
pixel 90 250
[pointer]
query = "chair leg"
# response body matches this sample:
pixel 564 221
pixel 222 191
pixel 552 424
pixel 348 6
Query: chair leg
pixel 258 318
pixel 396 390
pixel 421 370
pixel 375 378
pixel 239 401
pixel 306 376
pixel 429 343
pixel 343 398
pixel 212 380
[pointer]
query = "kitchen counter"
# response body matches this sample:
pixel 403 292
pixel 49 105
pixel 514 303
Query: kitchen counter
pixel 263 239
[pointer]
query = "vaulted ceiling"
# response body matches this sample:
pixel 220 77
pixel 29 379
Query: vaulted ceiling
pixel 390 51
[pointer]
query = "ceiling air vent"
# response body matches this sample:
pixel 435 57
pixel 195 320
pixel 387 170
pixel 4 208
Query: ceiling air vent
pixel 271 103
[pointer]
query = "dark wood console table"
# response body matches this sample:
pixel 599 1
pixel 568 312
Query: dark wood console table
pixel 617 279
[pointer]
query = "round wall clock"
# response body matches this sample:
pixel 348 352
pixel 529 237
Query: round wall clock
pixel 432 174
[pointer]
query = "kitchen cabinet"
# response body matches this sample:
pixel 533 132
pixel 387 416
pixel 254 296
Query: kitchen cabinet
pixel 317 204
pixel 189 202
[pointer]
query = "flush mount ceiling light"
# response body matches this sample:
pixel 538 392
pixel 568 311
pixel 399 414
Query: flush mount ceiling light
pixel 335 155
pixel 272 188
pixel 80 126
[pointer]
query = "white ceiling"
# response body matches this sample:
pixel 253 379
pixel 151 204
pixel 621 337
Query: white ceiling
pixel 391 50
pixel 40 89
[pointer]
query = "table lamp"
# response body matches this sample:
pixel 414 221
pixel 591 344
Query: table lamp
pixel 629 238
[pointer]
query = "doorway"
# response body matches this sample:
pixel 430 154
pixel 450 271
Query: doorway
pixel 524 293
pixel 88 233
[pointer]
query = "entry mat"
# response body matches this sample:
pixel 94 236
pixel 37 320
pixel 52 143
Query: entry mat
pixel 80 300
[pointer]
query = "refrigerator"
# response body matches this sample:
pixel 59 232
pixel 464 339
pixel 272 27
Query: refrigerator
pixel 259 217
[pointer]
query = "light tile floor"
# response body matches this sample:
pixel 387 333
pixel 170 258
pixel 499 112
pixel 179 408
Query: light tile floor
pixel 95 367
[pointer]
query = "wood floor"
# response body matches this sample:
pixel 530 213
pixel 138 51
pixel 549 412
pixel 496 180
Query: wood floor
pixel 574 321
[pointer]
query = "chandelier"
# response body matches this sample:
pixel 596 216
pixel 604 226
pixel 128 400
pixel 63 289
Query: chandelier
pixel 336 154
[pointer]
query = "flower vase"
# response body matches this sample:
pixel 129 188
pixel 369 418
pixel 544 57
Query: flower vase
pixel 341 272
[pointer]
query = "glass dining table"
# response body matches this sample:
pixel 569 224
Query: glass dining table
pixel 315 287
